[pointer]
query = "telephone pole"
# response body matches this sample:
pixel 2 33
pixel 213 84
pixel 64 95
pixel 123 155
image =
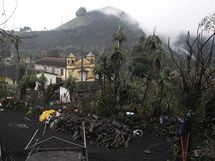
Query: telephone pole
pixel 81 85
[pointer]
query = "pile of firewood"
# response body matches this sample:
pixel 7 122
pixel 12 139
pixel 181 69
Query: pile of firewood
pixel 112 132
pixel 105 132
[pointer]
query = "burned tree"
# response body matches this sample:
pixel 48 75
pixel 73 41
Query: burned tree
pixel 14 39
pixel 197 71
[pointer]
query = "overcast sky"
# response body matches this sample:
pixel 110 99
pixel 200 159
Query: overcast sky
pixel 167 16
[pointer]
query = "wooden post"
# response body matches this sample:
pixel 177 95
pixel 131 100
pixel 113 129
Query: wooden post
pixel 82 74
pixel 31 139
pixel 85 142
pixel 0 154
pixel 187 145
pixel 44 129
pixel 190 126
pixel 29 154
pixel 82 65
pixel 182 149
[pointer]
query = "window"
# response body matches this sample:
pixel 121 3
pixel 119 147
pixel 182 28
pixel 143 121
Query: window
pixel 53 71
pixel 83 75
pixel 61 70
pixel 68 61
pixel 73 62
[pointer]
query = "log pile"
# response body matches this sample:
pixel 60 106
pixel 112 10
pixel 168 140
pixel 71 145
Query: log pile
pixel 112 133
pixel 105 132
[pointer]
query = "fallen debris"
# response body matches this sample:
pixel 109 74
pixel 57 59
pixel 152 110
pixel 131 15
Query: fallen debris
pixel 147 151
pixel 22 126
pixel 107 133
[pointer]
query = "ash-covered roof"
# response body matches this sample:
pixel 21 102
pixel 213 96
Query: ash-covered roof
pixel 52 61
pixel 9 71
pixel 55 156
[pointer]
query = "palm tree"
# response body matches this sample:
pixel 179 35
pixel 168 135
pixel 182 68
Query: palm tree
pixel 41 85
pixel 32 81
pixel 22 70
pixel 100 68
pixel 120 36
pixel 153 46
pixel 134 94
pixel 117 57
pixel 27 82
pixel 71 86
pixel 129 91
pixel 23 85
pixel 42 80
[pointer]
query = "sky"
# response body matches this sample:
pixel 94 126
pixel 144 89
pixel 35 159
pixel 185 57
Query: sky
pixel 167 16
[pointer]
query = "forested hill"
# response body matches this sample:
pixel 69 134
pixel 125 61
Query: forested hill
pixel 93 30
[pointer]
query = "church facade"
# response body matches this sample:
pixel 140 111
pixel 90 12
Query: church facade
pixel 80 68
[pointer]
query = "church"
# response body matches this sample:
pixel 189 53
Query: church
pixel 58 68
pixel 80 68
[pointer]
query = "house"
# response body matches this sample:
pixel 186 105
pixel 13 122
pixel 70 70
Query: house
pixel 53 67
pixel 81 68
pixel 52 78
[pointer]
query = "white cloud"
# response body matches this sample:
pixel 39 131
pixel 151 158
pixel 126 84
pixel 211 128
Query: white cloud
pixel 168 16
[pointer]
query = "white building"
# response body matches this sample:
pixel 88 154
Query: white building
pixel 54 66
pixel 64 95
pixel 51 78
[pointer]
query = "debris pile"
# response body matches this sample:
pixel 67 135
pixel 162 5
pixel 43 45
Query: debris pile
pixel 105 132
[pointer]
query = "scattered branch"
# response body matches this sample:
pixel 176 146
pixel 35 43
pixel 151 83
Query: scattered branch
pixel 7 19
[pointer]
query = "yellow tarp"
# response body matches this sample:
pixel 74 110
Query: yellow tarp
pixel 43 117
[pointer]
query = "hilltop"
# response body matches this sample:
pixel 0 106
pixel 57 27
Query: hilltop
pixel 91 29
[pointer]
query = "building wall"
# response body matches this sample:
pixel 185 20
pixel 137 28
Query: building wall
pixel 39 67
pixel 65 75
pixel 51 79
pixel 10 81
pixel 60 71
pixel 74 69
